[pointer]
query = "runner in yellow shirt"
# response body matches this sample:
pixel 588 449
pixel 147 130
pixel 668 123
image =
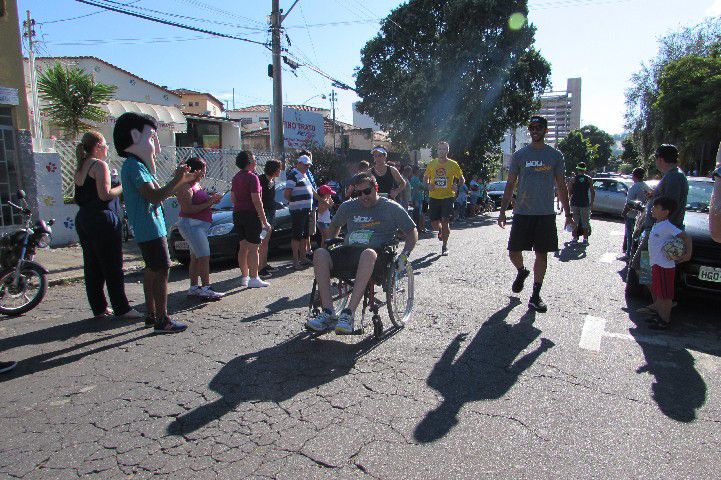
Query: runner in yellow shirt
pixel 442 177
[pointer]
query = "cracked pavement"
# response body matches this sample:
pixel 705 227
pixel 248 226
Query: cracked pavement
pixel 474 386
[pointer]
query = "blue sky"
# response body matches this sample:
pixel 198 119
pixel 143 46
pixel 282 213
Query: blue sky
pixel 603 41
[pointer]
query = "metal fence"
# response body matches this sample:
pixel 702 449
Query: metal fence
pixel 220 164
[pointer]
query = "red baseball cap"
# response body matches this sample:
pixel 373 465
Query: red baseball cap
pixel 326 190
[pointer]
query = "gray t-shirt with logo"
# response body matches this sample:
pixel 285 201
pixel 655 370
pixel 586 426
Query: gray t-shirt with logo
pixel 536 170
pixel 373 227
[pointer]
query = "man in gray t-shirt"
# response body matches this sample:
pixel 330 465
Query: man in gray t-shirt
pixel 536 169
pixel 372 223
pixel 673 185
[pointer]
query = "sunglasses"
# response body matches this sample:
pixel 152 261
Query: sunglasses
pixel 358 193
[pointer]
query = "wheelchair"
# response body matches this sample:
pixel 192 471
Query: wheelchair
pixel 396 283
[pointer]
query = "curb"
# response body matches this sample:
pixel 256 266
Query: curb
pixel 80 277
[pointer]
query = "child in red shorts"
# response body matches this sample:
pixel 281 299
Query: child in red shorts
pixel 663 271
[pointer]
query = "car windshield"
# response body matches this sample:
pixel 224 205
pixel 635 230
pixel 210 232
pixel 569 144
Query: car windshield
pixel 699 195
pixel 225 203
pixel 496 186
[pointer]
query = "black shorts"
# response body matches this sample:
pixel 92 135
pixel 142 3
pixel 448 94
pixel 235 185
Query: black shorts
pixel 247 225
pixel 301 223
pixel 345 260
pixel 440 208
pixel 533 232
pixel 155 254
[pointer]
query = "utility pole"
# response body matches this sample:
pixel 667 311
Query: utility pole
pixel 233 98
pixel 333 98
pixel 37 131
pixel 278 142
pixel 276 22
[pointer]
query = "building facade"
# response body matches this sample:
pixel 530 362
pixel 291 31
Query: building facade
pixel 199 103
pixel 133 94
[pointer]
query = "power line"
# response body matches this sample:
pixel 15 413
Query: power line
pixel 130 41
pixel 81 16
pixel 205 20
pixel 174 24
pixel 211 8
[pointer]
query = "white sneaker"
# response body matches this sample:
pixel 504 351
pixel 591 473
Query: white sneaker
pixel 244 281
pixel 345 323
pixel 322 322
pixel 131 314
pixel 257 283
pixel 209 294
pixel 194 291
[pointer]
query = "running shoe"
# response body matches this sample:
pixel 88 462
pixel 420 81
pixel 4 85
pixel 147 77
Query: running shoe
pixel 193 291
pixel 323 322
pixel 444 250
pixel 244 281
pixel 535 303
pixel 345 323
pixel 264 273
pixel 170 326
pixel 520 280
pixel 257 283
pixel 208 293
pixel 7 366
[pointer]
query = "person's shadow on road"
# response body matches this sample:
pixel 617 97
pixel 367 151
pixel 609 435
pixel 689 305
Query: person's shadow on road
pixel 487 369
pixel 571 251
pixel 678 388
pixel 275 374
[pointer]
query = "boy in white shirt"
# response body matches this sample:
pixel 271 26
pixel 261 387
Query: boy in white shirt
pixel 663 271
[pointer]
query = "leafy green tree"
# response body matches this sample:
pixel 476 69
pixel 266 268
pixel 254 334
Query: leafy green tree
pixel 629 155
pixel 689 100
pixel 643 121
pixel 603 140
pixel 73 98
pixel 576 148
pixel 458 70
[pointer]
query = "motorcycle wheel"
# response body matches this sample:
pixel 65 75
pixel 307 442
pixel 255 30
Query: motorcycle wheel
pixel 32 287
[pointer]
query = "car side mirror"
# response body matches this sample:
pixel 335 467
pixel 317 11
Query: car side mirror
pixel 21 194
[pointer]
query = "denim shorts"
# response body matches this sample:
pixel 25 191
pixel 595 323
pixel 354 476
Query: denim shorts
pixel 195 232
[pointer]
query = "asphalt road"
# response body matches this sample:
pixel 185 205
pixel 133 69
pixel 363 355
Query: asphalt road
pixel 475 386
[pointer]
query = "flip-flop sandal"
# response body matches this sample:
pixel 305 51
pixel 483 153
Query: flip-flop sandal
pixel 646 311
pixel 659 325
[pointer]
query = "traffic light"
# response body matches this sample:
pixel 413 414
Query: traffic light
pixel 270 70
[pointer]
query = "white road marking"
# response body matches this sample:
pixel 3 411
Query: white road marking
pixel 608 257
pixel 594 329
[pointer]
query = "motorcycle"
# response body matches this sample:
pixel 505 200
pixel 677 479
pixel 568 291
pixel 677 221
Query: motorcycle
pixel 23 282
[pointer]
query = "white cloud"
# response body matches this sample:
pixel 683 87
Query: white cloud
pixel 714 9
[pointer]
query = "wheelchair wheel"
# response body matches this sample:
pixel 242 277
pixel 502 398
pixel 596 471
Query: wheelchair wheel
pixel 399 294
pixel 340 292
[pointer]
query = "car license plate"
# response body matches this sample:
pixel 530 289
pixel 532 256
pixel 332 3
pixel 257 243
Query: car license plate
pixel 181 245
pixel 710 274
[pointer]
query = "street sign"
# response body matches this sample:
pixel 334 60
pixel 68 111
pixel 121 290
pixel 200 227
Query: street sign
pixel 302 129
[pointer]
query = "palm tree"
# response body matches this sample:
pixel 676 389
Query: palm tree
pixel 72 96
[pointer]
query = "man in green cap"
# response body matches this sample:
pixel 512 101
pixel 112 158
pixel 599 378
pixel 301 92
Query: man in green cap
pixel 582 196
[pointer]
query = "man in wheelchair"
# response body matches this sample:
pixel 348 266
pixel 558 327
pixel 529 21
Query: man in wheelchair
pixel 372 224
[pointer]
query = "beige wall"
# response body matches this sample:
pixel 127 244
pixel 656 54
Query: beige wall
pixel 205 106
pixel 11 63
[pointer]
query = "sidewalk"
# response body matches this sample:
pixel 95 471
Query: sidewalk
pixel 66 263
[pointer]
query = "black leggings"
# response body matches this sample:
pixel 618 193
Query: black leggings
pixel 101 240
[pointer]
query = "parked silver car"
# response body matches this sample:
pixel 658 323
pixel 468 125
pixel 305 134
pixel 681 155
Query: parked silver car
pixel 611 194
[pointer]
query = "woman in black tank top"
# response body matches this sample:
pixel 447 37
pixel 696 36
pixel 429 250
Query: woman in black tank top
pixel 390 181
pixel 98 228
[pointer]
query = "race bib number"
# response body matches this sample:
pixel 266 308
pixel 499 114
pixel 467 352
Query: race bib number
pixel 441 182
pixel 360 237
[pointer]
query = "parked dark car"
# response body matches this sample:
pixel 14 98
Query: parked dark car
pixel 495 191
pixel 222 236
pixel 702 274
